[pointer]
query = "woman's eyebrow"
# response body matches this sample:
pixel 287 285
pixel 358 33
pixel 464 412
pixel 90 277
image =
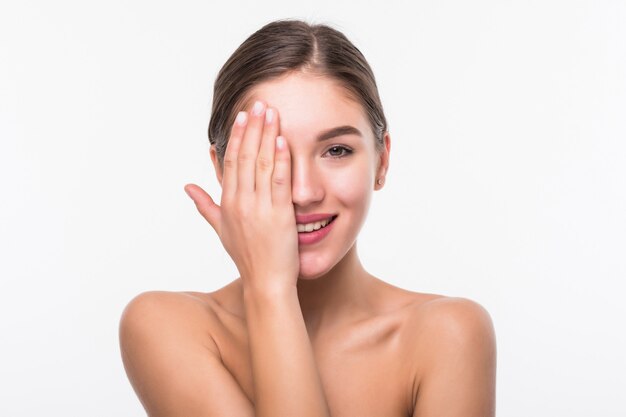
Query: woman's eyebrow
pixel 338 131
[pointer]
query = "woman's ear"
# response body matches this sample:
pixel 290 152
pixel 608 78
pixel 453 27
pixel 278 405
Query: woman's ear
pixel 216 164
pixel 383 163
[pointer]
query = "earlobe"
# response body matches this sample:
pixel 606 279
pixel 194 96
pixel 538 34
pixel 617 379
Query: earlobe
pixel 216 164
pixel 383 164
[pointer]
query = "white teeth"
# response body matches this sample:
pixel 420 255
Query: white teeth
pixel 309 227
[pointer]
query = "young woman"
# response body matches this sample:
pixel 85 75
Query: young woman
pixel 299 143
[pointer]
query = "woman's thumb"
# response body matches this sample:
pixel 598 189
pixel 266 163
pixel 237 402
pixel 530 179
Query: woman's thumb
pixel 205 205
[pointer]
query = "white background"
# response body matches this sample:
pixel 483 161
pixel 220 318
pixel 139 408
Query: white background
pixel 506 182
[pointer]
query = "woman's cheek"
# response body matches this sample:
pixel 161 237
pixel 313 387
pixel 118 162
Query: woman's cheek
pixel 353 188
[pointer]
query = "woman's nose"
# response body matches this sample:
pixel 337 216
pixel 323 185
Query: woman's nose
pixel 306 184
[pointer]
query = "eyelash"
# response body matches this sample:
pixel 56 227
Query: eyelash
pixel 347 151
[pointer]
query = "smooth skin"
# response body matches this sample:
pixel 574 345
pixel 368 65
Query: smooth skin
pixel 303 331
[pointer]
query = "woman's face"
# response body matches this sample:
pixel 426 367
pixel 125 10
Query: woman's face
pixel 337 175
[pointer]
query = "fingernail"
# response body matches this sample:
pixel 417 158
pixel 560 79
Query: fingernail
pixel 280 142
pixel 241 118
pixel 269 116
pixel 258 108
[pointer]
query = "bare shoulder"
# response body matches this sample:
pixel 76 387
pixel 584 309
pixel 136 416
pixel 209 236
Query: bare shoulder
pixel 442 325
pixel 167 311
pixel 452 316
pixel 171 359
pixel 454 353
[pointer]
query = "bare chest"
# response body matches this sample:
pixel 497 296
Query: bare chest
pixel 365 371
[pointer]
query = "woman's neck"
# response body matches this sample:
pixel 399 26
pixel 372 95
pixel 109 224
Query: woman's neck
pixel 342 295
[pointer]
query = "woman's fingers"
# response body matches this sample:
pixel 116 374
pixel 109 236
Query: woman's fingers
pixel 205 205
pixel 253 163
pixel 265 160
pixel 281 177
pixel 229 177
pixel 249 150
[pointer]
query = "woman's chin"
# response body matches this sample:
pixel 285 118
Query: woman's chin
pixel 308 275
pixel 312 269
pixel 314 265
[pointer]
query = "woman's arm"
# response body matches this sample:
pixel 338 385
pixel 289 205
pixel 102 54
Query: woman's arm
pixel 456 360
pixel 256 223
pixel 176 371
pixel 285 375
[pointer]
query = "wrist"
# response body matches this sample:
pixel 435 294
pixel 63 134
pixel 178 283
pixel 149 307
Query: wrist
pixel 268 293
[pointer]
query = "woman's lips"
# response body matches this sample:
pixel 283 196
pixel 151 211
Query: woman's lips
pixel 308 238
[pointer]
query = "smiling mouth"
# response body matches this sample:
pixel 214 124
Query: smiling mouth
pixel 301 227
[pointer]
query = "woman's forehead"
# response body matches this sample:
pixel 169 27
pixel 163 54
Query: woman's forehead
pixel 309 103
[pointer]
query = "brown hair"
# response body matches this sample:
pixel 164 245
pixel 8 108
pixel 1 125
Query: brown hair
pixel 284 46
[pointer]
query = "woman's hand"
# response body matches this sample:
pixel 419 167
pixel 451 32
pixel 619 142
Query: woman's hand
pixel 256 221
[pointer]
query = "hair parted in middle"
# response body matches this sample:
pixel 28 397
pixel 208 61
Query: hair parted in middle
pixel 285 46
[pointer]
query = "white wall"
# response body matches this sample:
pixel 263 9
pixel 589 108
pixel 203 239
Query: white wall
pixel 506 183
